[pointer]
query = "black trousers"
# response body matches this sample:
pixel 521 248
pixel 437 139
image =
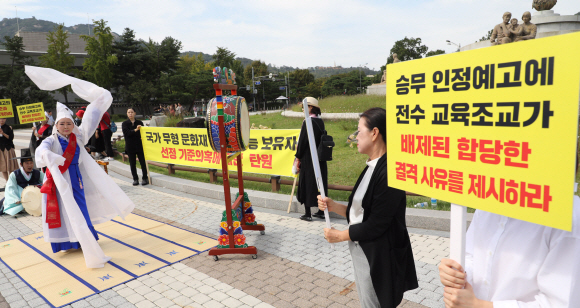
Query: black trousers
pixel 308 212
pixel 133 163
pixel 108 134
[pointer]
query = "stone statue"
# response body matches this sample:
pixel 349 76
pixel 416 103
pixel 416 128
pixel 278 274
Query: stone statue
pixel 384 78
pixel 395 58
pixel 515 29
pixel 542 5
pixel 501 31
pixel 527 30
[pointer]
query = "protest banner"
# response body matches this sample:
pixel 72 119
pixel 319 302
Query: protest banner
pixel 493 129
pixel 30 113
pixel 270 151
pixel 6 108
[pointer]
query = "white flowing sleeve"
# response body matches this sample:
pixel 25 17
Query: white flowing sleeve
pixel 100 99
pixel 41 155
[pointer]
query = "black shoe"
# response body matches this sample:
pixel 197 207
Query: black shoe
pixel 145 182
pixel 307 218
pixel 319 215
pixel 135 182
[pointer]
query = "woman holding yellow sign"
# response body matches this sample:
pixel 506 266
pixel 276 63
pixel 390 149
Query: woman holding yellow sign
pixel 377 234
pixel 7 163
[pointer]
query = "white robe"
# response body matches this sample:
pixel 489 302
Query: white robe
pixel 105 199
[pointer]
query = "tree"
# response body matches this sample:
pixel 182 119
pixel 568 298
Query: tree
pixel 98 67
pixel 408 49
pixel 299 80
pixel 223 57
pixel 57 56
pixel 191 64
pixel 344 84
pixel 133 63
pixel 486 37
pixel 18 87
pixel 434 53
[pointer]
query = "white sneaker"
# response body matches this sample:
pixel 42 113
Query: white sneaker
pixel 108 159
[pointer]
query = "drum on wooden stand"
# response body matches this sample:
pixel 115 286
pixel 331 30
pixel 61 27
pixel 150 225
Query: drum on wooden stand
pixel 236 123
pixel 32 200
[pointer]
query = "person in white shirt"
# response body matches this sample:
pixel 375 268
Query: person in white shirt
pixel 48 114
pixel 514 263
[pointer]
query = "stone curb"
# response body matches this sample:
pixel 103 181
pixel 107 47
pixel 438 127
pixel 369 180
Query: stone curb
pixel 416 218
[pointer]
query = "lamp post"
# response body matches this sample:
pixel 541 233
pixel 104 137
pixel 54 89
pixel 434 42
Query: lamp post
pixel 451 43
pixel 360 78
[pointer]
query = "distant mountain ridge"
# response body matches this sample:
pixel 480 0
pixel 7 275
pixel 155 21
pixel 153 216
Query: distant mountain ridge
pixel 9 26
pixel 318 71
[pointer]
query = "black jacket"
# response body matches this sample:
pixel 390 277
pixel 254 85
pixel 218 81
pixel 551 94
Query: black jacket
pixel 383 237
pixel 7 143
pixel 132 138
pixel 307 189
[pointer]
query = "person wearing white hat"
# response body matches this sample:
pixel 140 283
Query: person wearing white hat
pixel 77 193
pixel 18 180
pixel 307 189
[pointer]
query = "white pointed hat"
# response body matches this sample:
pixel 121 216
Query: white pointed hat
pixel 62 111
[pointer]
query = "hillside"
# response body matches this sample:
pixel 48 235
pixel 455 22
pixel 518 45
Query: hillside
pixel 318 72
pixel 9 27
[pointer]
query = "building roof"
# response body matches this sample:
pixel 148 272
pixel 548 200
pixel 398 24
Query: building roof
pixel 36 41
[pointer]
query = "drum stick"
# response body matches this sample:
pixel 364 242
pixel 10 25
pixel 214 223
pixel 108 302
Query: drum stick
pixel 292 194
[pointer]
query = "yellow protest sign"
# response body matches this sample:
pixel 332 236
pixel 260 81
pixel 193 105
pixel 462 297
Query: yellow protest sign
pixel 493 129
pixel 6 108
pixel 270 151
pixel 30 113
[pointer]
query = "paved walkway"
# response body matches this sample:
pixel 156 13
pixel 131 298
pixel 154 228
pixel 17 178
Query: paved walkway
pixel 295 267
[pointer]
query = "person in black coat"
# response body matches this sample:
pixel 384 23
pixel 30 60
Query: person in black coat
pixel 377 236
pixel 307 189
pixel 134 147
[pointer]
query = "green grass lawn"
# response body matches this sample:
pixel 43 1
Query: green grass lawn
pixel 344 169
pixel 348 103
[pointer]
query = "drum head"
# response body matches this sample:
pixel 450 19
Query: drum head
pixel 244 124
pixel 32 200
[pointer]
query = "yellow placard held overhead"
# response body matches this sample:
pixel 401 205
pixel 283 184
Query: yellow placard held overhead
pixel 270 151
pixel 31 113
pixel 493 129
pixel 6 108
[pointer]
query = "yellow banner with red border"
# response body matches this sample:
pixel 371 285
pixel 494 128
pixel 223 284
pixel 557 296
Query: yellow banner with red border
pixel 493 129
pixel 270 151
pixel 31 113
pixel 6 108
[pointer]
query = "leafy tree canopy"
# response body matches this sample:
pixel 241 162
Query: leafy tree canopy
pixel 408 49
pixel 98 65
pixel 57 56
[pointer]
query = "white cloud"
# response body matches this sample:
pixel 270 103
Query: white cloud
pixel 298 33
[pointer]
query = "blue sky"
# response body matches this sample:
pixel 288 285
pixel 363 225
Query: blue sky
pixel 298 33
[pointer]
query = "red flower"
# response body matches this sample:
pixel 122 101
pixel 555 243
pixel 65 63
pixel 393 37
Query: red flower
pixel 250 218
pixel 223 240
pixel 240 239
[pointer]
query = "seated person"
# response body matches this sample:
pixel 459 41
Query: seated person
pixel 18 180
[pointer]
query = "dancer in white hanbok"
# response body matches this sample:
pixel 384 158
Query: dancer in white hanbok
pixel 77 193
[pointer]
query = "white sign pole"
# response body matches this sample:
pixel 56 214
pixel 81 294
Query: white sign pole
pixel 315 163
pixel 458 233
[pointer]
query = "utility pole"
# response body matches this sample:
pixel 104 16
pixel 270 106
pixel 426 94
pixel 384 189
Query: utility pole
pixel 287 78
pixel 360 79
pixel 89 24
pixel 253 94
